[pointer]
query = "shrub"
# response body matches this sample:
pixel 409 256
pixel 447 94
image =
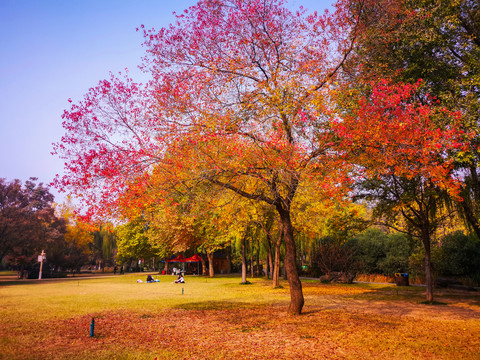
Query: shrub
pixel 398 248
pixel 334 256
pixel 459 256
pixel 381 253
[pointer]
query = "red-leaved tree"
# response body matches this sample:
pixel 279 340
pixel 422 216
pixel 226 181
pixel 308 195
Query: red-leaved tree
pixel 236 100
pixel 400 147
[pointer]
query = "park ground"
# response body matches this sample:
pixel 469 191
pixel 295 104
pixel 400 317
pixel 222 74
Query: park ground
pixel 220 319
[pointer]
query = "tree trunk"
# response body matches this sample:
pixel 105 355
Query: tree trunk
pixel 470 217
pixel 251 261
pixel 428 267
pixel 229 261
pixel 296 293
pixel 244 261
pixel 268 260
pixel 204 266
pixel 210 264
pixel 468 205
pixel 267 268
pixel 257 260
pixel 21 273
pixel 276 269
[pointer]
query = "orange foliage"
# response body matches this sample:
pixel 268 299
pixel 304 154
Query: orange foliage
pixel 392 133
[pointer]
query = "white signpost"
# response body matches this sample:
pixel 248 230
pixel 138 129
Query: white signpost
pixel 41 258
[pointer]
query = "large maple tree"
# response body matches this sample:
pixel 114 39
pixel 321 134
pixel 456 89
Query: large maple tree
pixel 243 83
pixel 236 99
pixel 439 43
pixel 400 146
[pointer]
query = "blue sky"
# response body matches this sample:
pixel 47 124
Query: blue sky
pixel 52 50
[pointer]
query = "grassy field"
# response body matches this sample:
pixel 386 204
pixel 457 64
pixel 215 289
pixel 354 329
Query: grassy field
pixel 221 319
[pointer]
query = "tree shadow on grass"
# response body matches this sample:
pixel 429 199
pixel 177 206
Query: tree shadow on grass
pixel 416 294
pixel 35 281
pixel 406 301
pixel 20 282
pixel 218 305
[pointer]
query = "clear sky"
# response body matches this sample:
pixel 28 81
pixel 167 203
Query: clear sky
pixel 52 50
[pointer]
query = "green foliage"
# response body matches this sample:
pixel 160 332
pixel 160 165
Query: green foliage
pixel 398 248
pixel 383 253
pixel 371 250
pixel 103 245
pixel 424 39
pixel 454 256
pixel 416 261
pixel 133 241
pixel 459 256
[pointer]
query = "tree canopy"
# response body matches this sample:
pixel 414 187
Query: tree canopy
pixel 28 223
pixel 250 100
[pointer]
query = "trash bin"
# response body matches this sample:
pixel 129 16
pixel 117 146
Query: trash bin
pixel 163 272
pixel 401 279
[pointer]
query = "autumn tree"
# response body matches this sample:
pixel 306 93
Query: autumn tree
pixel 267 221
pixel 244 80
pixel 103 245
pixel 249 225
pixel 317 217
pixel 17 211
pixel 236 99
pixel 439 43
pixel 405 41
pixel 401 151
pixel 133 241
pixel 186 215
pixel 182 214
pixel 28 223
pixel 76 250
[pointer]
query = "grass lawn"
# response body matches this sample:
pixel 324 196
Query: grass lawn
pixel 221 319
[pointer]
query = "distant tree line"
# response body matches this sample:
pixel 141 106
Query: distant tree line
pixel 30 222
pixel 350 245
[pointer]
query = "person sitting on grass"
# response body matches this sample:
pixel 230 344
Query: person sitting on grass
pixel 180 279
pixel 150 279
